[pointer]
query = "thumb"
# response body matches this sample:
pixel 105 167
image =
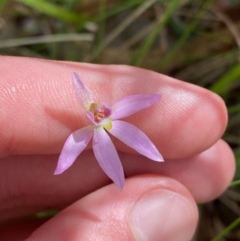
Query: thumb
pixel 149 208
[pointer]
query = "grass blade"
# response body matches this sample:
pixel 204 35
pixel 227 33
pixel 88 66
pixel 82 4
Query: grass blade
pixel 139 55
pixel 223 85
pixel 9 43
pixel 2 5
pixel 189 29
pixel 55 11
pixel 234 183
pixel 118 8
pixel 121 27
pixel 227 230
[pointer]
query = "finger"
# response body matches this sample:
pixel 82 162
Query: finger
pixel 206 175
pixel 19 230
pixel 149 208
pixel 39 108
pixel 28 185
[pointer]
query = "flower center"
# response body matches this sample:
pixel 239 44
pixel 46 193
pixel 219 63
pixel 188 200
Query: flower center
pixel 101 115
pixel 98 116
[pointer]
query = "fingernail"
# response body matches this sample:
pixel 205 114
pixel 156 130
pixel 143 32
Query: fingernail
pixel 162 215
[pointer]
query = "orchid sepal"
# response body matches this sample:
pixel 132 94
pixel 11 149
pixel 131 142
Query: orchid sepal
pixel 130 105
pixel 73 147
pixel 136 139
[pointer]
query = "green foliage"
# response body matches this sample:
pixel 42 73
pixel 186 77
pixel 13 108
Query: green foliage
pixel 118 8
pixel 2 5
pixel 223 85
pixel 56 11
pixel 235 183
pixel 141 52
pixel 46 214
pixel 227 230
pixel 189 28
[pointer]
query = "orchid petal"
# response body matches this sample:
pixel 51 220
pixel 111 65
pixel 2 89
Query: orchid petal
pixel 73 147
pixel 83 93
pixel 107 156
pixel 135 138
pixel 132 104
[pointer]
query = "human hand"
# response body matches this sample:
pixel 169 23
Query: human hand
pixel 39 110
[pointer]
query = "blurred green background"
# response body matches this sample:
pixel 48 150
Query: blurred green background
pixel 197 41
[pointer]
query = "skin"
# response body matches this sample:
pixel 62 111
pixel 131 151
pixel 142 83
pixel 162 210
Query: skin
pixel 38 112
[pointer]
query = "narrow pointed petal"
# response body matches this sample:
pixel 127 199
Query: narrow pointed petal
pixel 73 147
pixel 135 138
pixel 107 156
pixel 132 104
pixel 83 93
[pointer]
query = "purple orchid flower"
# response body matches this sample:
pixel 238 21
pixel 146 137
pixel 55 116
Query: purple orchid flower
pixel 104 119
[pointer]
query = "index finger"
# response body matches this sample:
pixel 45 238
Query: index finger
pixel 39 108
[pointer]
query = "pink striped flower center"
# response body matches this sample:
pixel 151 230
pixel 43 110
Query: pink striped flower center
pixel 101 113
